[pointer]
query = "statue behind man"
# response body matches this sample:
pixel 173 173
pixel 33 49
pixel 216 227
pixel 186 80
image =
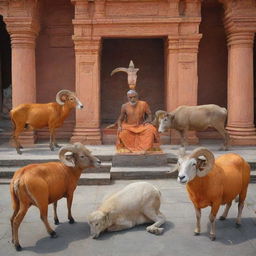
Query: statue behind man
pixel 135 132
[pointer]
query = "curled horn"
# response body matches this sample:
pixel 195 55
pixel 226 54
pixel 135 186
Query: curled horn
pixel 209 158
pixel 118 70
pixel 59 94
pixel 155 122
pixel 63 150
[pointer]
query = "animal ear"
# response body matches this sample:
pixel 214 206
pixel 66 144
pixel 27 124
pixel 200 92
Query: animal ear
pixel 106 218
pixel 200 164
pixel 171 116
pixel 69 159
pixel 64 97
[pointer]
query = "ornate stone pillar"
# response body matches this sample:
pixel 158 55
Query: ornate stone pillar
pixel 182 78
pixel 240 88
pixel 87 129
pixel 87 54
pixel 23 32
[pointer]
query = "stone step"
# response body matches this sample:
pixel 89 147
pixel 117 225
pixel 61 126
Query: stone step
pixel 85 179
pixel 94 179
pixel 22 160
pixel 131 160
pixel 150 172
pixel 7 172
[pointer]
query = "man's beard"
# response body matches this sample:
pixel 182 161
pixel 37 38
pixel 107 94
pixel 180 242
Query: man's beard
pixel 133 103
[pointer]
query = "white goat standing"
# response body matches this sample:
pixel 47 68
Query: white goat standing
pixel 135 204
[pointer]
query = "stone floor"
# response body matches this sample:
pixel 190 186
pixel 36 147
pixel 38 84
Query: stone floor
pixel 177 240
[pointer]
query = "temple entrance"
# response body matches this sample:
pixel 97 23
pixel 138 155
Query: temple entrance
pixel 148 56
pixel 5 71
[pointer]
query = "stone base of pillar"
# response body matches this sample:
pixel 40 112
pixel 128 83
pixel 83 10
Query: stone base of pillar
pixel 242 136
pixel 88 136
pixel 192 138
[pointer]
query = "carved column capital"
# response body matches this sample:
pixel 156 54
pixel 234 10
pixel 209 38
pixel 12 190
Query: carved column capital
pixel 23 31
pixel 87 46
pixel 184 43
pixel 240 39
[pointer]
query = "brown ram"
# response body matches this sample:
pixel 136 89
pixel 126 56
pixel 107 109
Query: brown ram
pixel 46 183
pixel 36 116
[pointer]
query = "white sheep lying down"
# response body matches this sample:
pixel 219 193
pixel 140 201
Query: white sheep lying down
pixel 135 204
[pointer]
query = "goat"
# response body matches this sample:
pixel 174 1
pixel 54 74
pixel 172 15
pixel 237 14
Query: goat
pixel 214 183
pixel 36 116
pixel 135 204
pixel 46 183
pixel 197 118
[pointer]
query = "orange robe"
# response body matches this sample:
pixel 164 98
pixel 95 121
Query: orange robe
pixel 136 136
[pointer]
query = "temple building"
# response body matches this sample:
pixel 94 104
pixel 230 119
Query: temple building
pixel 189 52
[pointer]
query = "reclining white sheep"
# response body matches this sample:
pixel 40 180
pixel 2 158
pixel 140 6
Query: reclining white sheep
pixel 197 118
pixel 135 204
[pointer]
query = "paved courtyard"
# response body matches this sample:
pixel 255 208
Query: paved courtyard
pixel 177 239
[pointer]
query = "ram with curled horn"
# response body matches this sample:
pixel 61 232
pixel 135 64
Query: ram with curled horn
pixel 35 116
pixel 131 72
pixel 46 183
pixel 214 182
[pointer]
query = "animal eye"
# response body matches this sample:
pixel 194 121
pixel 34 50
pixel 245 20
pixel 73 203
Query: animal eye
pixel 194 164
pixel 97 224
pixel 82 156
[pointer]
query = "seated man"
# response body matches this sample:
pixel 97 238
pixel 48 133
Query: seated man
pixel 135 133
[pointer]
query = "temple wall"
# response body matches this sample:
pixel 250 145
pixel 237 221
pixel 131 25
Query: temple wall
pixel 55 57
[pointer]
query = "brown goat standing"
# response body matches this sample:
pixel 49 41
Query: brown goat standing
pixel 46 183
pixel 36 116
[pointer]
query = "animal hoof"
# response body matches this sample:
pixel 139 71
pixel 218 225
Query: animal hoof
pixel 238 225
pixel 18 248
pixel 212 237
pixel 57 146
pixel 53 234
pixel 56 222
pixel 52 149
pixel 155 230
pixel 71 221
pixel 222 218
pixel 196 233
pixel 19 152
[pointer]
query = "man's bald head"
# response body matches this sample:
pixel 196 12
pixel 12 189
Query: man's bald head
pixel 132 92
pixel 132 97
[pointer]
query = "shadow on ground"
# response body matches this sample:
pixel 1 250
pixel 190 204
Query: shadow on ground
pixel 107 235
pixel 66 234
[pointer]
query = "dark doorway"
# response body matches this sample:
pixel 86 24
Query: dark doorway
pixel 213 56
pixel 148 56
pixel 5 71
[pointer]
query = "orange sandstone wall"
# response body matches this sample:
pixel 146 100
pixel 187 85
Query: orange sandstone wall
pixel 212 58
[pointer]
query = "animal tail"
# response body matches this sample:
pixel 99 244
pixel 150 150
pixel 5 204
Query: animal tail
pixel 14 187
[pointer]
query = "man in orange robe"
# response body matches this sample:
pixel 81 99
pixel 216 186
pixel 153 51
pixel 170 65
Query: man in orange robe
pixel 135 133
